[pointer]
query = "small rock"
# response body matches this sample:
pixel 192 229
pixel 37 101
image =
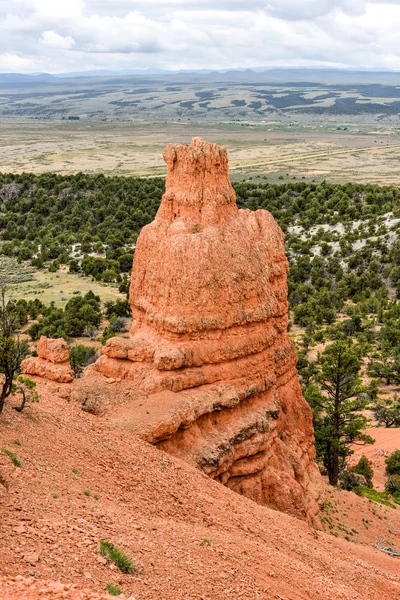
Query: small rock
pixel 19 530
pixel 31 557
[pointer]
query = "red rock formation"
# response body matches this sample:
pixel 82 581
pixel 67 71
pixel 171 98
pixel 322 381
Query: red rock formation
pixel 54 350
pixel 208 355
pixel 52 361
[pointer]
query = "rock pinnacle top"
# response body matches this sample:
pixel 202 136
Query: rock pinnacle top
pixel 198 190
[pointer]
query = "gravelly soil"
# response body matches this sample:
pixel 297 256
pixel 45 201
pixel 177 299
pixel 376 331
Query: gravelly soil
pixel 82 480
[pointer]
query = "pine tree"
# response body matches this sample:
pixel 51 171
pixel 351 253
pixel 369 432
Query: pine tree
pixel 337 401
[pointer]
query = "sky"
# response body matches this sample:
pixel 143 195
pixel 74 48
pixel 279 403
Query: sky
pixel 56 36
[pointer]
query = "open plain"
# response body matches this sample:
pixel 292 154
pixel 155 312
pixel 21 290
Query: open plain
pixel 135 148
pixel 309 125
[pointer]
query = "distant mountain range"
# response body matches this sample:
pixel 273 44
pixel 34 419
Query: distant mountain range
pixel 280 74
pixel 20 77
pixel 24 78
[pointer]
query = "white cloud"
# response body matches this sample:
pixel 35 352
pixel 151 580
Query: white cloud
pixel 311 9
pixel 54 40
pixel 84 34
pixel 12 62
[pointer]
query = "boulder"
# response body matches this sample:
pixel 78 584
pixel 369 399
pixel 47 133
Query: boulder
pixel 52 361
pixel 54 350
pixel 60 372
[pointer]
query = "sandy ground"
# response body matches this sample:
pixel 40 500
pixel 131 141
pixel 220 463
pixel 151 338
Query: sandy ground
pixel 83 480
pixel 386 441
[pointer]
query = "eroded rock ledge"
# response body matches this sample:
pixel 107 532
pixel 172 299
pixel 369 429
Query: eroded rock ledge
pixel 52 361
pixel 208 372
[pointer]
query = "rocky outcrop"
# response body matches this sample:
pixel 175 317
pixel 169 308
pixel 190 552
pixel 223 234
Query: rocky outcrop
pixel 52 361
pixel 54 350
pixel 209 362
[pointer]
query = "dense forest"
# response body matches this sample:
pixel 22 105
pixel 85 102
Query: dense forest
pixel 341 239
pixel 343 246
pixel 342 242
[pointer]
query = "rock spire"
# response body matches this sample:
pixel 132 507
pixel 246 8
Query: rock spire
pixel 209 366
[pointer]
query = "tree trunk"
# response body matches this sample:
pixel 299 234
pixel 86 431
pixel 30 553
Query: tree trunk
pixel 5 391
pixel 21 407
pixel 333 472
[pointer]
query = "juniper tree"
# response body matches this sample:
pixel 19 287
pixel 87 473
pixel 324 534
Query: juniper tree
pixel 364 468
pixel 392 484
pixel 26 389
pixel 386 364
pixel 387 411
pixel 12 349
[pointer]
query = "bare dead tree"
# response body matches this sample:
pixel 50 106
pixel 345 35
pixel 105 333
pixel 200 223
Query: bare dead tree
pixel 386 549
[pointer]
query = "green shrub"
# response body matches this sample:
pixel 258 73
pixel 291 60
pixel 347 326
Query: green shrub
pixel 26 389
pixel 14 458
pixel 107 334
pixel 123 562
pixel 363 468
pixel 113 590
pixel 80 313
pixel 349 480
pixel 80 357
pixel 393 463
pixel 392 485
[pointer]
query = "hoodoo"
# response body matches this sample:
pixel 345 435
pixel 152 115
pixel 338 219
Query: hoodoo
pixel 208 365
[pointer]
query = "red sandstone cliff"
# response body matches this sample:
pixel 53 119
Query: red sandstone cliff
pixel 211 368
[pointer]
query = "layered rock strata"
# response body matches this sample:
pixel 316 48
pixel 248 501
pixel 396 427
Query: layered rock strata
pixel 52 361
pixel 208 356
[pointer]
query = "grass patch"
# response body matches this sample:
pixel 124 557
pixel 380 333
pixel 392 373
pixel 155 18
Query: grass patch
pixel 48 287
pixel 380 497
pixel 89 493
pixel 113 590
pixel 121 560
pixel 14 458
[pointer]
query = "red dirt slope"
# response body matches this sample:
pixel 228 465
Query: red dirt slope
pixel 31 589
pixel 190 537
pixel 386 441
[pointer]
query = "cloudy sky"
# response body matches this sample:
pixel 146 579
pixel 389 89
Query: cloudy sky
pixel 74 35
